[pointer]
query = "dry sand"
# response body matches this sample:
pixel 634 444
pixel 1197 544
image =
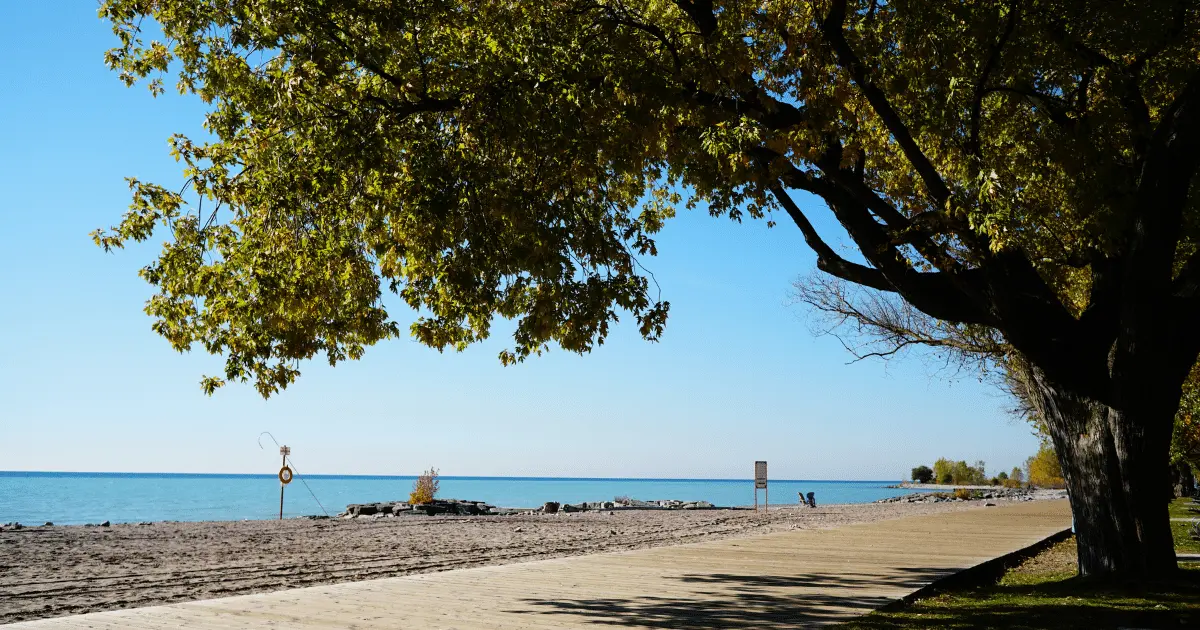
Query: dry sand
pixel 55 571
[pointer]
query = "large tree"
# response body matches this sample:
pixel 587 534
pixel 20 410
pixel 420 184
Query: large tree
pixel 1023 168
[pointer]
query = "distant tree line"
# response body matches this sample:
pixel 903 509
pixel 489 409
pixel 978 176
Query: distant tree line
pixel 1041 469
pixel 959 473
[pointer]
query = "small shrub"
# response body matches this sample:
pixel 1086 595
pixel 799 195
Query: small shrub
pixel 966 494
pixel 1013 483
pixel 425 488
pixel 1194 530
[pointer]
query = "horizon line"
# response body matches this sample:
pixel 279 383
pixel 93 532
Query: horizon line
pixel 54 473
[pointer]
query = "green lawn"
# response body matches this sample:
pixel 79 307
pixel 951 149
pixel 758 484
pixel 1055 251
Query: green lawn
pixel 1044 593
pixel 1183 542
pixel 1184 508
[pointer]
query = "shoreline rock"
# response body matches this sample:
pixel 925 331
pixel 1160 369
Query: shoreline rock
pixel 458 507
pixel 976 494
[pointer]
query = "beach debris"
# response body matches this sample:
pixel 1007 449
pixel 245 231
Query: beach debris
pixel 105 524
pixel 13 526
pixel 550 507
pixel 519 529
pixel 48 524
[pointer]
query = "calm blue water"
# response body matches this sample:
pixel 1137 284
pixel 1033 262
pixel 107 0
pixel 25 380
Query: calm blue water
pixel 74 498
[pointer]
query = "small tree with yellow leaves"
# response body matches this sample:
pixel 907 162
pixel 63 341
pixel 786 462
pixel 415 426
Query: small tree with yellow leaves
pixel 425 488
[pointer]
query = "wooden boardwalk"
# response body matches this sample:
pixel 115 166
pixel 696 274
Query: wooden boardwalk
pixel 796 579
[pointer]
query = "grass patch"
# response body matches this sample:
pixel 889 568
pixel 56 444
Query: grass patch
pixel 1043 592
pixel 1184 508
pixel 1183 542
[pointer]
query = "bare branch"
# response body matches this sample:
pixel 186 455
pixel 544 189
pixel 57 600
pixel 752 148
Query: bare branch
pixel 874 324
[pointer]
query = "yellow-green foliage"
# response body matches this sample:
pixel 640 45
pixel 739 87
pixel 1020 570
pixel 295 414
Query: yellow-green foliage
pixel 1185 444
pixel 425 488
pixel 358 147
pixel 959 473
pixel 1044 470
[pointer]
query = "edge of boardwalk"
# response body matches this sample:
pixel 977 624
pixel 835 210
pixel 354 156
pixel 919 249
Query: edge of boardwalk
pixel 985 572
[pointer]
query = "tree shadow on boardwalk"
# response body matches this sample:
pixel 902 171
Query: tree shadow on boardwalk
pixel 727 600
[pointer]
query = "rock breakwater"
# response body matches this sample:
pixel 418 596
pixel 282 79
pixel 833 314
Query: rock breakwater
pixel 459 507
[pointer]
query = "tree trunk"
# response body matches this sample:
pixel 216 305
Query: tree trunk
pixel 1115 462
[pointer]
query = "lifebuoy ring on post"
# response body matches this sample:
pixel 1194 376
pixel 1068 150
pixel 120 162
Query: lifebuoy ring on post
pixel 285 475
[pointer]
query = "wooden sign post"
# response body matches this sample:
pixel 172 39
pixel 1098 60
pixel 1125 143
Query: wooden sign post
pixel 285 476
pixel 760 481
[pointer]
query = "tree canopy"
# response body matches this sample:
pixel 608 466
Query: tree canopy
pixel 1044 469
pixel 958 473
pixel 922 474
pixel 514 159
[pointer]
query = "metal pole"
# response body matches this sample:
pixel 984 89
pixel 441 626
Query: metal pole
pixel 766 499
pixel 282 453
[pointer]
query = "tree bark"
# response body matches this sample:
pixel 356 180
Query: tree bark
pixel 1115 461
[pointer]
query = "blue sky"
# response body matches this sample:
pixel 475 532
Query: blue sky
pixel 86 386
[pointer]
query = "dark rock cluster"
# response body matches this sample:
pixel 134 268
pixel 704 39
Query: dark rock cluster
pixel 1010 494
pixel 457 507
pixel 437 507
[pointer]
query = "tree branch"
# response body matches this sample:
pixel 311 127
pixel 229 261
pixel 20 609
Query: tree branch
pixel 1050 105
pixel 772 113
pixel 1172 160
pixel 849 61
pixel 701 12
pixel 827 260
pixel 650 29
pixel 988 66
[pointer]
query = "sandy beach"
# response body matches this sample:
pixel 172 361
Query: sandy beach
pixel 55 571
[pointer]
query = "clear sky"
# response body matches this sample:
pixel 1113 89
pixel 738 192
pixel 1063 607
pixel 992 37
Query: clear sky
pixel 85 385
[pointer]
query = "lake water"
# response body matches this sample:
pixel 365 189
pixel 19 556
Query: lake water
pixel 33 498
